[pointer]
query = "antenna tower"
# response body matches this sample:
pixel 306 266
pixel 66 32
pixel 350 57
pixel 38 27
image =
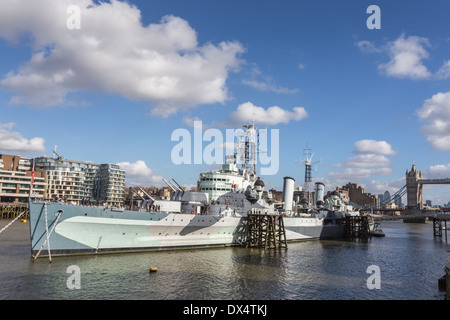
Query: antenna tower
pixel 308 176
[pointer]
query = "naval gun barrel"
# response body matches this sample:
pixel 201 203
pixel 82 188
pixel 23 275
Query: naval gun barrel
pixel 175 186
pixel 144 201
pixel 181 188
pixel 153 200
pixel 137 194
pixel 170 186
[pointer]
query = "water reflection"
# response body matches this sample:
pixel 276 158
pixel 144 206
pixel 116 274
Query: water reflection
pixel 410 260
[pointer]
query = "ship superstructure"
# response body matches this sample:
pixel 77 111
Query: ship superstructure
pixel 239 170
pixel 228 178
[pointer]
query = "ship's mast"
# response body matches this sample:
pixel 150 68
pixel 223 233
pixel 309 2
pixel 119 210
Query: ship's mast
pixel 308 158
pixel 308 168
pixel 246 149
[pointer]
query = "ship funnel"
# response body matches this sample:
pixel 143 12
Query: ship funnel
pixel 288 193
pixel 319 194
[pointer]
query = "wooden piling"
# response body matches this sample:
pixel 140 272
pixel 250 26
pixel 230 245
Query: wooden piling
pixel 440 225
pixel 265 231
pixel 11 211
pixel 447 281
pixel 437 227
pixel 357 227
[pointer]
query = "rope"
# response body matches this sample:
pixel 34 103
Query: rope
pixel 48 233
pixel 15 219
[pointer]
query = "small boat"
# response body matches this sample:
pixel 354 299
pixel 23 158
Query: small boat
pixel 377 232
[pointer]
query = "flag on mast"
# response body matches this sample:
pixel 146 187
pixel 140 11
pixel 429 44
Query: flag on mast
pixel 32 173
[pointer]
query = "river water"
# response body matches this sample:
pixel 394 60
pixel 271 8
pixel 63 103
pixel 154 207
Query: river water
pixel 409 261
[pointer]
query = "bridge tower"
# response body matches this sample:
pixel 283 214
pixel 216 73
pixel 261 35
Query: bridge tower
pixel 414 189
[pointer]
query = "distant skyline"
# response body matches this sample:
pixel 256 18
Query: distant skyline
pixel 111 82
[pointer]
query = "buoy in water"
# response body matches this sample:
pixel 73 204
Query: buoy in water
pixel 153 269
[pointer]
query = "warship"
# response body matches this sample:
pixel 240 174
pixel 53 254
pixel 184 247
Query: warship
pixel 189 219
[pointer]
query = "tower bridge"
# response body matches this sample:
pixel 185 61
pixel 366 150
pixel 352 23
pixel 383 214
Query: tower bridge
pixel 413 190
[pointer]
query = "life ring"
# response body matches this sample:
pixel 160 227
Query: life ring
pixel 192 211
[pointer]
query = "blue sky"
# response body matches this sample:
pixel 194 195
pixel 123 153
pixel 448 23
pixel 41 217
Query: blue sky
pixel 368 102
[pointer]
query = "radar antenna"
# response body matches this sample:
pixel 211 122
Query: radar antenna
pixel 308 176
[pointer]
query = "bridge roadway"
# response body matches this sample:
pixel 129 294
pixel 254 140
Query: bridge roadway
pixel 434 181
pixel 440 216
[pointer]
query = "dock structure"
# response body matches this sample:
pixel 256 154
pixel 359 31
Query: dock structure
pixel 447 281
pixel 357 227
pixel 439 225
pixel 265 231
pixel 11 211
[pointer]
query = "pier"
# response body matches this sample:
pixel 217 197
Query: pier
pixel 439 225
pixel 265 231
pixel 12 210
pixel 357 227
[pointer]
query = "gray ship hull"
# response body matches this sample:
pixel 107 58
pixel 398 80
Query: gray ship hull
pixel 94 230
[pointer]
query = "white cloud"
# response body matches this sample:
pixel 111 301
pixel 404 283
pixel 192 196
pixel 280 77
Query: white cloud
pixel 357 174
pixel 228 146
pixel 113 52
pixel 367 46
pixel 406 58
pixel 373 147
pixel 246 112
pixel 371 161
pixel 436 108
pixel 139 174
pixel 436 113
pixel 195 122
pixel 261 82
pixel 444 71
pixel 439 171
pixel 13 142
pixel 376 187
pixel 439 143
pixel 268 87
pixel 366 160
